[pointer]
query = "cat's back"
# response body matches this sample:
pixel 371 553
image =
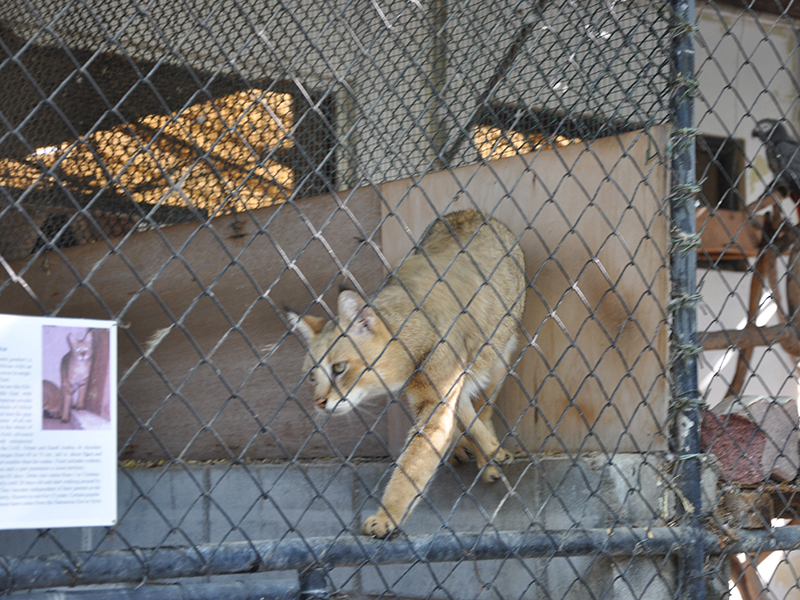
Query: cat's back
pixel 465 250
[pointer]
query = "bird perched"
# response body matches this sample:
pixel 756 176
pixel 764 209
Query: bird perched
pixel 783 156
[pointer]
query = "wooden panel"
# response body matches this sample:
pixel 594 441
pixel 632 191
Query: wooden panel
pixel 592 375
pixel 210 383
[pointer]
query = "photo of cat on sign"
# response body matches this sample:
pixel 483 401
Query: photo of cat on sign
pixel 75 378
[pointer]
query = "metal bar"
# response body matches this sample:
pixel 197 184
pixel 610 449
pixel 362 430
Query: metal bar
pixel 683 270
pixel 282 589
pixel 437 77
pixel 499 73
pixel 755 541
pixel 119 566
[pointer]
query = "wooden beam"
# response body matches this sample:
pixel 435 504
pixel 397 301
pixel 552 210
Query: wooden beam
pixel 783 334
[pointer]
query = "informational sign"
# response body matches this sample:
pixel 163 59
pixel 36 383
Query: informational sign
pixel 58 422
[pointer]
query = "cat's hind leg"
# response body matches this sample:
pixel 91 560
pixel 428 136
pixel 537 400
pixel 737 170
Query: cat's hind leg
pixel 479 439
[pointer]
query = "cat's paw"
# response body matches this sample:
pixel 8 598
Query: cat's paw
pixel 460 455
pixel 503 457
pixel 491 472
pixel 378 525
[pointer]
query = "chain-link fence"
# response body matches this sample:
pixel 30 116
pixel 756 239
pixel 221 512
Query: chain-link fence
pixel 417 299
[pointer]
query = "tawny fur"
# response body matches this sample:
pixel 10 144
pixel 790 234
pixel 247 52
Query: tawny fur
pixel 51 400
pixel 76 365
pixel 443 328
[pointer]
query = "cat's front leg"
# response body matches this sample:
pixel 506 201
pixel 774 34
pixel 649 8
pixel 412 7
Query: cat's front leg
pixel 82 395
pixel 427 445
pixel 66 395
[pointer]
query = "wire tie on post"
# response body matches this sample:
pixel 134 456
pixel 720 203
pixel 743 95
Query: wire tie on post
pixel 681 138
pixel 688 84
pixel 681 26
pixel 686 403
pixel 688 350
pixel 685 132
pixel 683 457
pixel 679 302
pixel 684 193
pixel 686 242
pixel 691 86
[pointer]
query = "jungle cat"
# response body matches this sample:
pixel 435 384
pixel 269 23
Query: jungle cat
pixel 76 365
pixel 443 328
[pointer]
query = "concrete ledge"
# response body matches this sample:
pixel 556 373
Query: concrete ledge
pixel 212 503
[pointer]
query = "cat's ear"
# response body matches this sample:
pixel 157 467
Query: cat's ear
pixel 69 341
pixel 308 326
pixel 353 311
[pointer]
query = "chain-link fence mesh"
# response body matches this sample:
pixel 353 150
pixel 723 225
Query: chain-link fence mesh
pixel 747 219
pixel 504 206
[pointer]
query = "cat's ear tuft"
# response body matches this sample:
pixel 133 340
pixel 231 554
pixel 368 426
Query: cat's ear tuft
pixel 355 314
pixel 307 326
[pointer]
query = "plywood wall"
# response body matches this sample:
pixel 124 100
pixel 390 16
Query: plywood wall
pixel 208 367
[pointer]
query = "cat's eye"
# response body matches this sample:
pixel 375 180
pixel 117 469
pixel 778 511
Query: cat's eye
pixel 339 368
pixel 311 379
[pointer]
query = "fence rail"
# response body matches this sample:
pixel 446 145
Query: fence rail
pixel 119 566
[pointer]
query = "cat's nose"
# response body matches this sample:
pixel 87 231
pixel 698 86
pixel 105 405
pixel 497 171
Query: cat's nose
pixel 320 402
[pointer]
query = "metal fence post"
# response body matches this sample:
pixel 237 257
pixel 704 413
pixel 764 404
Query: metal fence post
pixel 686 405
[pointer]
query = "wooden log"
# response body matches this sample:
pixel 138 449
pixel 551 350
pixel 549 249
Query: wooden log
pixel 766 270
pixel 746 578
pixel 784 334
pixel 785 239
pixel 756 289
